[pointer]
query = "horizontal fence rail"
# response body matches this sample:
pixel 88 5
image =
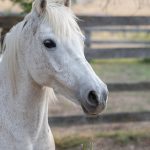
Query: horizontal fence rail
pixel 87 21
pixel 114 29
pixel 121 42
pixel 93 21
pixel 105 118
pixel 117 53
pixel 141 86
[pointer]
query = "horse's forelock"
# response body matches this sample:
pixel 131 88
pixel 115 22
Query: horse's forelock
pixel 62 21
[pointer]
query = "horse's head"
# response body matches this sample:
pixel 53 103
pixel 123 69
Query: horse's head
pixel 55 55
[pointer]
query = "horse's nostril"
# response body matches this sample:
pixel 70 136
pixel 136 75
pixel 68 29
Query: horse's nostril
pixel 93 98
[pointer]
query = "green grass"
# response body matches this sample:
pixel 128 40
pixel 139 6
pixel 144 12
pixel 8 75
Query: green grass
pixel 72 141
pixel 86 142
pixel 121 61
pixel 125 137
pixel 146 61
pixel 87 146
pixel 122 70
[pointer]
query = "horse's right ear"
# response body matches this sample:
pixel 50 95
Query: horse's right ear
pixel 40 6
pixel 67 3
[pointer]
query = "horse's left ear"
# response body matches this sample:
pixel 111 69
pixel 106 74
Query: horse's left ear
pixel 43 4
pixel 67 3
pixel 40 6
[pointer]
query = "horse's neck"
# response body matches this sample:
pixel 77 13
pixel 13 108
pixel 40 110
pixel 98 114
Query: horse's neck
pixel 26 113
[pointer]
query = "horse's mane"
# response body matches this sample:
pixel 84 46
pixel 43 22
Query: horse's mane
pixel 61 20
pixel 9 53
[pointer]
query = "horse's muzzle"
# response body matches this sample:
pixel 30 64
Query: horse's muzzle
pixel 95 102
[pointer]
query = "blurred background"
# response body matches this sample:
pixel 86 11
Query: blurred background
pixel 118 48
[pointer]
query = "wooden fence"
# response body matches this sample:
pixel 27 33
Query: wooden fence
pixel 90 24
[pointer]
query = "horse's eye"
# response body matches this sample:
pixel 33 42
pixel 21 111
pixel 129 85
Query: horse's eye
pixel 49 43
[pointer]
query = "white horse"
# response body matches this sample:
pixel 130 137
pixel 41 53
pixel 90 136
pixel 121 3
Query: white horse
pixel 43 51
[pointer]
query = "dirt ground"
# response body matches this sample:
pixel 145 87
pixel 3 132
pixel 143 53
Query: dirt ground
pixel 103 145
pixel 109 143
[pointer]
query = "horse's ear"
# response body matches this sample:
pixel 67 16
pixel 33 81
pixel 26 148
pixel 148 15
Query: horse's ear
pixel 67 3
pixel 43 5
pixel 40 6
